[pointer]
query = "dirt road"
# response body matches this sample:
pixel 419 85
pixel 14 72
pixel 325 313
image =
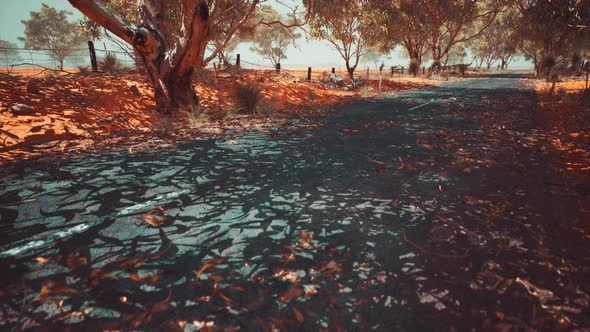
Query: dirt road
pixel 441 209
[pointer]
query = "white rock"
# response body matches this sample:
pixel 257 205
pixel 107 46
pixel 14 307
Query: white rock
pixel 22 109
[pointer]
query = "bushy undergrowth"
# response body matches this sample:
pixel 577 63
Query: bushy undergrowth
pixel 248 98
pixel 196 118
pixel 111 64
pixel 84 71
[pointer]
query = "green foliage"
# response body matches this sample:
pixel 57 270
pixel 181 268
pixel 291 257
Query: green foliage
pixel 8 54
pixel 50 29
pixel 375 56
pixel 272 41
pixel 349 26
pixel 552 29
pixel 230 19
pixel 439 26
pixel 248 97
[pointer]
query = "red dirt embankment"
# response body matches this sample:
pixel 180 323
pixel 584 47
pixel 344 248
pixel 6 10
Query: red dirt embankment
pixel 78 113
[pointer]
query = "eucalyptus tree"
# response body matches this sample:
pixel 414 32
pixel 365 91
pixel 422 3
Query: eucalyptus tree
pixel 172 37
pixel 551 30
pixel 499 42
pixel 50 29
pixel 272 41
pixel 350 26
pixel 437 27
pixel 413 30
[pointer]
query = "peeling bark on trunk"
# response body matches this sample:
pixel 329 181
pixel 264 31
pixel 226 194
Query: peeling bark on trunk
pixel 174 93
pixel 170 68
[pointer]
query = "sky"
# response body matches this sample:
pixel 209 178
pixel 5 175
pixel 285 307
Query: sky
pixel 309 53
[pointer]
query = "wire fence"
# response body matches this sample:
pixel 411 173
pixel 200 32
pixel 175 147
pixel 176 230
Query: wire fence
pixel 13 59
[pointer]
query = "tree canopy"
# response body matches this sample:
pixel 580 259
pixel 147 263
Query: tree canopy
pixel 272 41
pixel 8 53
pixel 51 29
pixel 172 37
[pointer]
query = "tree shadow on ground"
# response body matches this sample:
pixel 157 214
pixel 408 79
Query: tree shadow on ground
pixel 380 218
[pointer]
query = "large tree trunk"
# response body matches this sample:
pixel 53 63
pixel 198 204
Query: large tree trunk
pixel 170 67
pixel 174 93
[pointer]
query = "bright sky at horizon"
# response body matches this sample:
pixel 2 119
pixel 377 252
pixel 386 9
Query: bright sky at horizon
pixel 312 53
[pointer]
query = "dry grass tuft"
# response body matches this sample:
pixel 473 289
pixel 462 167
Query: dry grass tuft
pixel 248 98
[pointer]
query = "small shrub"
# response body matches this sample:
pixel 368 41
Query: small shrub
pixel 166 124
pixel 365 91
pixel 84 71
pixel 248 97
pixel 110 63
pixel 220 114
pixel 195 118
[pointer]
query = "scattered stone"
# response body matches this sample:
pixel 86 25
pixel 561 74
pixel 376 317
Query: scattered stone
pixel 33 88
pixel 22 109
pixel 135 90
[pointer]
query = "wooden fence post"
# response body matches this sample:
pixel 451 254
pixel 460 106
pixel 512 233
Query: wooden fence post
pixel 238 61
pixel 368 73
pixel 392 70
pixel 333 70
pixel 278 67
pixel 93 61
pixel 423 70
pixel 309 73
pixel 402 74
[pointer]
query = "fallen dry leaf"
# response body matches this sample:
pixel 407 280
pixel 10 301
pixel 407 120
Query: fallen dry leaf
pixel 298 315
pixel 52 289
pixel 292 293
pixel 209 265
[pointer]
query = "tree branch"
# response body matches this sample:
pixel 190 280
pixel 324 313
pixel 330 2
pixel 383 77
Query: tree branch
pixel 105 19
